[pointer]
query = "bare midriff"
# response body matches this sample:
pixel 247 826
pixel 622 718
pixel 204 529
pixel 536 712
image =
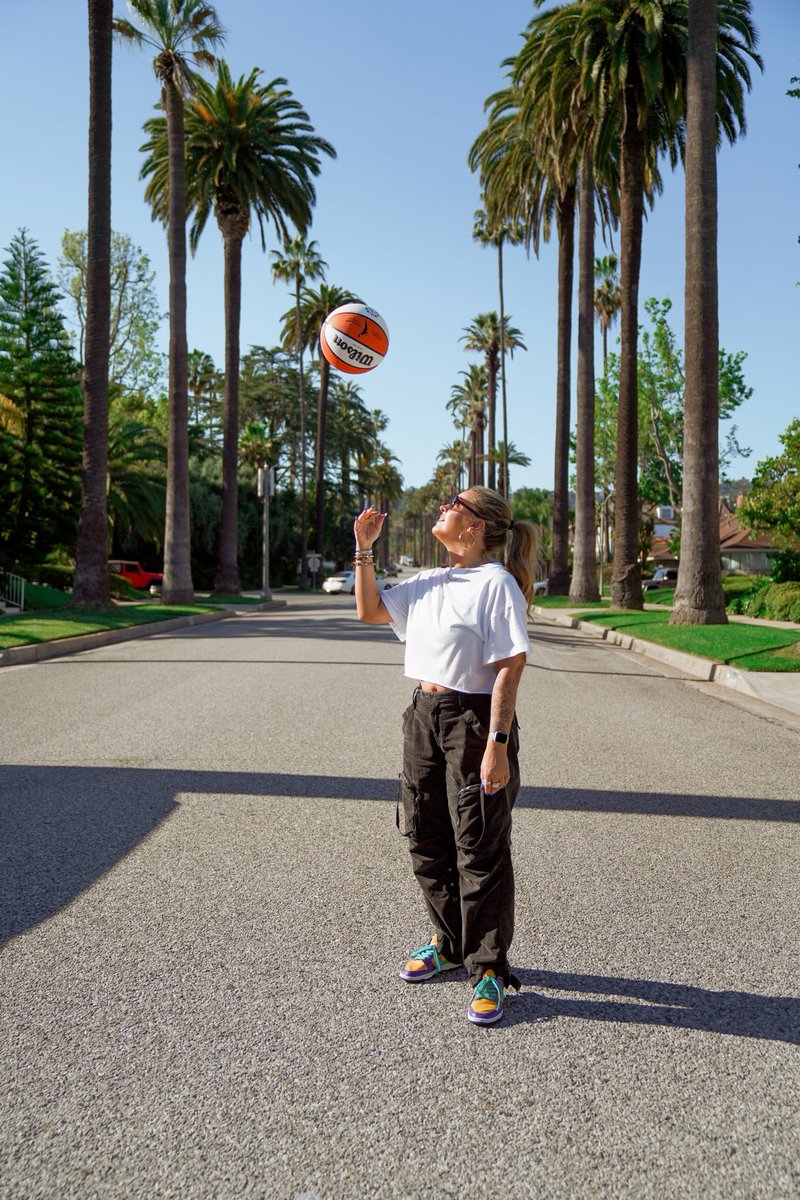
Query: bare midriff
pixel 432 687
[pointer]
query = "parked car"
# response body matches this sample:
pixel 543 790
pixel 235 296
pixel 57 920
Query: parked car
pixel 345 581
pixel 663 578
pixel 540 587
pixel 137 577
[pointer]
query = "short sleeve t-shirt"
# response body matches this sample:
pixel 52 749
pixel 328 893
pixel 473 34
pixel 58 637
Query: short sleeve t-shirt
pixel 456 622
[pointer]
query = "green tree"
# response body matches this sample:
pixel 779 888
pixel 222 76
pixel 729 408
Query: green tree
pixel 498 233
pixel 304 324
pixel 699 599
pixel 299 263
pixel 633 65
pixel 250 149
pixel 90 588
pixel 183 34
pixel 134 361
pixel 485 335
pixel 40 451
pixel 468 401
pixel 205 390
pixel 136 485
pixel 773 503
pixel 607 297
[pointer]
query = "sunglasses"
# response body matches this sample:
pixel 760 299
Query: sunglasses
pixel 454 500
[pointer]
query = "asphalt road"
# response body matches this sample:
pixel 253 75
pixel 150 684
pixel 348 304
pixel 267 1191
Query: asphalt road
pixel 206 902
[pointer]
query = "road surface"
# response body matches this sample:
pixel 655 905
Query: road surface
pixel 206 902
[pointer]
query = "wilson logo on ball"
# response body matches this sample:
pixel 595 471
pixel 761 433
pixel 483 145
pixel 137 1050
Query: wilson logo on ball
pixel 354 338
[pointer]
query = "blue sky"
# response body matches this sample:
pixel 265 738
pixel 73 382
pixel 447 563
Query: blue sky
pixel 399 90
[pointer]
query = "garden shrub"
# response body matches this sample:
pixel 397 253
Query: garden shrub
pixel 739 588
pixel 775 602
pixel 786 567
pixel 53 576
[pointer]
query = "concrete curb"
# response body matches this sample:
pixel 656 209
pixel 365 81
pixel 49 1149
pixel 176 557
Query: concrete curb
pixel 780 690
pixel 20 655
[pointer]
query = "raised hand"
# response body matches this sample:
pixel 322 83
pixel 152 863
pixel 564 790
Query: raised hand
pixel 367 527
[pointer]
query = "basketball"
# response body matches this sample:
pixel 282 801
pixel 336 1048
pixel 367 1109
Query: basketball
pixel 354 338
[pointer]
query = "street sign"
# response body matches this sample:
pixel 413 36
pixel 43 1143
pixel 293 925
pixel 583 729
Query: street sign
pixel 314 562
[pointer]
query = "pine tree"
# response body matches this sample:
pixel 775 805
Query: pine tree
pixel 40 456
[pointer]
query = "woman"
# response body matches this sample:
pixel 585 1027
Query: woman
pixel 465 630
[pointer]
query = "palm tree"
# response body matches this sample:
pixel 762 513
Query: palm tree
pixel 303 324
pixel 496 233
pixel 469 399
pixel 607 297
pixel 182 33
pixel 486 334
pixel 583 585
pixel 90 589
pixel 298 263
pixel 507 457
pixel 249 148
pixel 633 69
pixel 699 599
pixel 526 159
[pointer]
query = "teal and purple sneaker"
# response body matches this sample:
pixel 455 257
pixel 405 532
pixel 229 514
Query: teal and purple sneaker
pixel 425 963
pixel 488 1000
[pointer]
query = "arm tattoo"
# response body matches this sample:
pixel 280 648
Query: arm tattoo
pixel 504 698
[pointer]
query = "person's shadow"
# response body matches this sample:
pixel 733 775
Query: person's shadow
pixel 651 1002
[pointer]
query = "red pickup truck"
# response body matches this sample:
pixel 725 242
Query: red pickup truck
pixel 136 576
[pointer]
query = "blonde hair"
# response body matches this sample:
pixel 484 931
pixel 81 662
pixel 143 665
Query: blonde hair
pixel 515 543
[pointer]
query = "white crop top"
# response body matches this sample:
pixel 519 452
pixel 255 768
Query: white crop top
pixel 456 622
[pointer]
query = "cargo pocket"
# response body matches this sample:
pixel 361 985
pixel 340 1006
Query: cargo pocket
pixel 470 813
pixel 407 813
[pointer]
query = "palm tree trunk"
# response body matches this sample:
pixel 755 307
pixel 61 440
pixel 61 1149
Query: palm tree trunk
pixel 178 588
pixel 699 598
pixel 559 567
pixel 303 481
pixel 504 487
pixel 322 419
pixel 584 567
pixel 90 588
pixel 626 581
pixel 491 374
pixel 227 582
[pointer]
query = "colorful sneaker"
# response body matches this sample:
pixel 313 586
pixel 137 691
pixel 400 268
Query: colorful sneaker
pixel 425 963
pixel 488 999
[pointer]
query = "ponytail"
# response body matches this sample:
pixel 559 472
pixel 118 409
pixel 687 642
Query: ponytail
pixel 516 543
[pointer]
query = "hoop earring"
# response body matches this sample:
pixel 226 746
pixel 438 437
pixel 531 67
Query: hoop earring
pixel 461 540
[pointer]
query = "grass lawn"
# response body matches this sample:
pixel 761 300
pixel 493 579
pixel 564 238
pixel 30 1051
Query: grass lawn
pixel 29 628
pixel 751 647
pixel 565 602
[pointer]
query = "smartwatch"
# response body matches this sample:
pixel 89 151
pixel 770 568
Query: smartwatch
pixel 500 738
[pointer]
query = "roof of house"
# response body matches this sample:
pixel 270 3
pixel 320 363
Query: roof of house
pixel 735 536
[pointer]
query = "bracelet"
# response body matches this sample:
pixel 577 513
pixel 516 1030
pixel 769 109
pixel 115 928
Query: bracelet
pixel 364 553
pixel 363 561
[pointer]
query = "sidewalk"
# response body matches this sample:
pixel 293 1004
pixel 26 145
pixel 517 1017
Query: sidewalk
pixel 780 690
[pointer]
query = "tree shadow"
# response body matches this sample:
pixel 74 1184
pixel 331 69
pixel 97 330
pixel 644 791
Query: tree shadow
pixel 653 1002
pixel 62 828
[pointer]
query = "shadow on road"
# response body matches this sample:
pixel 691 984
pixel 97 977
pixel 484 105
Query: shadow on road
pixel 651 1002
pixel 64 827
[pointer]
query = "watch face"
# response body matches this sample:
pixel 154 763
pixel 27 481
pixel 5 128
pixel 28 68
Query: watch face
pixel 499 737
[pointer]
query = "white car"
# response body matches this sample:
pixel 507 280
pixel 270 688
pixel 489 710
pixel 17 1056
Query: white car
pixel 345 581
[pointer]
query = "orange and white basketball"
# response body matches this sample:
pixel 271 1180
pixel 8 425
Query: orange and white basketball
pixel 354 338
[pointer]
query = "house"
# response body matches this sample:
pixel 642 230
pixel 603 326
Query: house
pixel 742 552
